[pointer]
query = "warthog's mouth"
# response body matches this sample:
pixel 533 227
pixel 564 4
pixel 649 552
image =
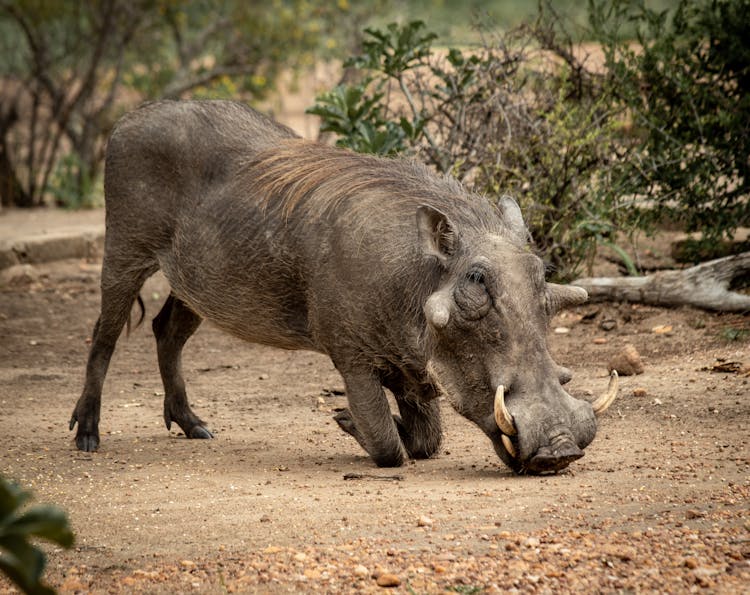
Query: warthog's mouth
pixel 561 449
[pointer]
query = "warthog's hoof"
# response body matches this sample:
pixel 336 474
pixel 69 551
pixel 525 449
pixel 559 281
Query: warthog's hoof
pixel 344 420
pixel 382 455
pixel 87 442
pixel 199 432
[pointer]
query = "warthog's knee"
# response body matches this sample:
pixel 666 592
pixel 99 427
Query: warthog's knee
pixel 421 441
pixel 424 446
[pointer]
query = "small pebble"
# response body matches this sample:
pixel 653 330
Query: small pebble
pixel 361 571
pixel 608 325
pixel 627 362
pixel 639 392
pixel 662 329
pixel 424 521
pixel 388 580
pixel 691 563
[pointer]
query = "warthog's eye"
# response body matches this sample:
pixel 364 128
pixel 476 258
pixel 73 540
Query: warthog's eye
pixel 471 295
pixel 475 276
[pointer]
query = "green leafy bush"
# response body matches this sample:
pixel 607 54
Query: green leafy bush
pixel 685 89
pixel 592 153
pixel 20 560
pixel 505 118
pixel 72 185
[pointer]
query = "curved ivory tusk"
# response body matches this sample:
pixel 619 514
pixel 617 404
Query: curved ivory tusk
pixel 508 444
pixel 604 401
pixel 503 418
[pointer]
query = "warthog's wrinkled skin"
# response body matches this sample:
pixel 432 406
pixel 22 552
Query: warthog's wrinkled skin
pixel 401 276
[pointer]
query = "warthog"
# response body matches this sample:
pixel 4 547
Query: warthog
pixel 402 277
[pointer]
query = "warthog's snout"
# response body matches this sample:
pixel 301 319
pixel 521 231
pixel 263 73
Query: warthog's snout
pixel 544 438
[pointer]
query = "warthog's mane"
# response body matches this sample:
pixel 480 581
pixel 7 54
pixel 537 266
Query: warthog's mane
pixel 310 179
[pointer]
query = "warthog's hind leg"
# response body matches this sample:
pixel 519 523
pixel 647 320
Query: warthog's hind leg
pixel 117 299
pixel 173 326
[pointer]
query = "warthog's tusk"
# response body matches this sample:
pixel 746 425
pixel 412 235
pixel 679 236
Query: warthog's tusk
pixel 508 444
pixel 503 418
pixel 604 401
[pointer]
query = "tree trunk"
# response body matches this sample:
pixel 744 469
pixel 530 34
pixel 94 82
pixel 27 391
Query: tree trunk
pixel 11 190
pixel 12 193
pixel 706 286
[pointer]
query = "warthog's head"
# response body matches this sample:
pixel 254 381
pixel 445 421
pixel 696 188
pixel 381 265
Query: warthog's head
pixel 487 339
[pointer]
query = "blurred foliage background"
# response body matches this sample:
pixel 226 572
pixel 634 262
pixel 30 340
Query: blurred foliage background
pixel 70 69
pixel 601 131
pixel 603 118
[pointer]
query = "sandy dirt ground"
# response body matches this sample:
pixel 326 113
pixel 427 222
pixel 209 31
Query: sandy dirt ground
pixel 283 501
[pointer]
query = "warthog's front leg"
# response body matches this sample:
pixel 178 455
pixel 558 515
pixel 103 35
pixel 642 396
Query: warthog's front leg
pixel 419 426
pixel 369 419
pixel 173 326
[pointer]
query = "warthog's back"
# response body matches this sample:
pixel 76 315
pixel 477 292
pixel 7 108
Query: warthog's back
pixel 182 148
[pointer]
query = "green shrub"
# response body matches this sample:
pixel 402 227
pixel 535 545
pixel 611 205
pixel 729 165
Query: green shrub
pixel 20 560
pixel 72 184
pixel 662 131
pixel 685 88
pixel 503 119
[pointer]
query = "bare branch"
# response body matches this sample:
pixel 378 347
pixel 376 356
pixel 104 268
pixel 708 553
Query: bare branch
pixel 189 82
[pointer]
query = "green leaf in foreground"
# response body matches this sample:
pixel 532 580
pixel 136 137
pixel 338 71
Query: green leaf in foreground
pixel 20 559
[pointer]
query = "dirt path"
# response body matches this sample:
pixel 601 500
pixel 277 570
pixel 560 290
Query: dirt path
pixel 659 502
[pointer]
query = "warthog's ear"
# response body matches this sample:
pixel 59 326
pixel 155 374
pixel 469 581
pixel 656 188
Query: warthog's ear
pixel 436 234
pixel 513 218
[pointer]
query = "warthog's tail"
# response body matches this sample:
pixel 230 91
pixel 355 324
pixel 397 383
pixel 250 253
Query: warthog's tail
pixel 142 306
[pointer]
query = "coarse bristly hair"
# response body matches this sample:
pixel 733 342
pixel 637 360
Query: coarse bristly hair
pixel 316 180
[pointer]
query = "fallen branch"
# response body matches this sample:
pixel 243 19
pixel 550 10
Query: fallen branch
pixel 703 286
pixel 354 475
